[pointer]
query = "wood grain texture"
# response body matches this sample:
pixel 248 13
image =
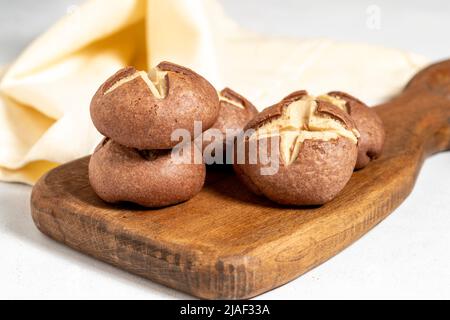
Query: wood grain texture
pixel 228 243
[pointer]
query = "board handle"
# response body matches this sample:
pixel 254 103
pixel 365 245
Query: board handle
pixel 419 118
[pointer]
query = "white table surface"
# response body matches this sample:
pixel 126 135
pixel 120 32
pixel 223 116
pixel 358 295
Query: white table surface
pixel 406 256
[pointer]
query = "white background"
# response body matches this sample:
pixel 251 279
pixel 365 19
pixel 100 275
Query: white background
pixel 406 256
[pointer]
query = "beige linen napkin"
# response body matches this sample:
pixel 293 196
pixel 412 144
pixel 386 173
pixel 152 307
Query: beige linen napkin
pixel 45 93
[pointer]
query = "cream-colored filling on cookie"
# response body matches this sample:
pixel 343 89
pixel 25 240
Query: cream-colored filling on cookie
pixel 299 122
pixel 158 82
pixel 155 80
pixel 233 103
pixel 122 82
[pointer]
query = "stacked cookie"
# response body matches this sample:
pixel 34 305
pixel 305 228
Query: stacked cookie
pixel 138 113
pixel 300 151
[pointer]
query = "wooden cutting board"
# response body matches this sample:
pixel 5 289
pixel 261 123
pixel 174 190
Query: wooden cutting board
pixel 228 243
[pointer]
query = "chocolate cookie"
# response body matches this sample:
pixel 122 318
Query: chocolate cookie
pixel 307 147
pixel 141 110
pixel 235 112
pixel 151 178
pixel 368 124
